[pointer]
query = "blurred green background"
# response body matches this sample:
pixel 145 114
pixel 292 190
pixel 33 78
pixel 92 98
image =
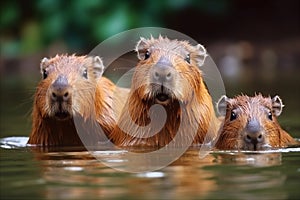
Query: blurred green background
pixel 255 44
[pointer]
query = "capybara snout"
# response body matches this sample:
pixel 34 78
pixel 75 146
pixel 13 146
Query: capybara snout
pixel 60 88
pixel 60 98
pixel 163 72
pixel 253 133
pixel 163 80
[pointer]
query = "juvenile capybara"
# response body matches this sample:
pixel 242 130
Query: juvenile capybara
pixel 72 86
pixel 167 75
pixel 251 123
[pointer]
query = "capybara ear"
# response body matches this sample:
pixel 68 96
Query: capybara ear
pixel 98 66
pixel 222 104
pixel 141 48
pixel 201 54
pixel 44 64
pixel 277 105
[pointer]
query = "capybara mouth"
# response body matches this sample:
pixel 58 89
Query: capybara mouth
pixel 256 147
pixel 162 94
pixel 62 115
pixel 162 98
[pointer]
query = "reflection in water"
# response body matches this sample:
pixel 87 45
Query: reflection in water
pixel 78 175
pixel 252 184
pixel 70 173
pixel 253 158
pixel 242 181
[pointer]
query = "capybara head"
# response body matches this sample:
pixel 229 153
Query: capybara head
pixel 68 86
pixel 250 122
pixel 167 70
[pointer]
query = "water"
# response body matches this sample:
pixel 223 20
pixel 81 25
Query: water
pixel 72 173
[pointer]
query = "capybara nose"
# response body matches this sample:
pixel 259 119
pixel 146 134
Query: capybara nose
pixel 60 89
pixel 253 134
pixel 163 71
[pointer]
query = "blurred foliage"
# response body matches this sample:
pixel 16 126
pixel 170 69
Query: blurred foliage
pixel 30 26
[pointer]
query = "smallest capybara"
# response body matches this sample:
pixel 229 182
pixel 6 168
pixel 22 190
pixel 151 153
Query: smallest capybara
pixel 251 123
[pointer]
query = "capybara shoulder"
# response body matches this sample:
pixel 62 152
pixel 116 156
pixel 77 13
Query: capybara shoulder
pixel 167 75
pixel 251 123
pixel 71 86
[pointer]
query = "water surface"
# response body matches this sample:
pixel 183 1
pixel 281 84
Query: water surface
pixel 73 173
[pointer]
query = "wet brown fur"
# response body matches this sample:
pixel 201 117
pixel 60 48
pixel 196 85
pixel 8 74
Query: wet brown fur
pixel 248 107
pixel 91 99
pixel 189 93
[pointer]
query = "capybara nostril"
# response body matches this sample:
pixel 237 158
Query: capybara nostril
pixel 156 75
pixel 251 138
pixel 53 96
pixel 260 138
pixel 248 138
pixel 66 96
pixel 169 76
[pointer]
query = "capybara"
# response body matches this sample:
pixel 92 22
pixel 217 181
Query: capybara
pixel 73 86
pixel 251 123
pixel 167 75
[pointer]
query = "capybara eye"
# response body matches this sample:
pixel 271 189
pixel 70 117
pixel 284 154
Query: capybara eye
pixel 188 59
pixel 147 55
pixel 270 115
pixel 85 74
pixel 45 74
pixel 233 116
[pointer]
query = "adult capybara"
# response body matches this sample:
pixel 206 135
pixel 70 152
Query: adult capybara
pixel 72 87
pixel 167 75
pixel 251 123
